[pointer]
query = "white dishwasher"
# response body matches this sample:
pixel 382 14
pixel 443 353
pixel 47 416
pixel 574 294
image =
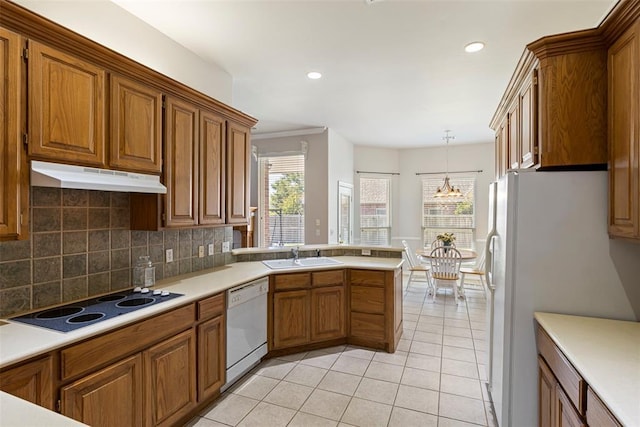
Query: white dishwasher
pixel 246 328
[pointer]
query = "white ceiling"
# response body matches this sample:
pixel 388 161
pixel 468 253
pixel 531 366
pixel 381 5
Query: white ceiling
pixel 394 71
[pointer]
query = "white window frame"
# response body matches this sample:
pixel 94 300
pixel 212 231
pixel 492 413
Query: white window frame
pixel 465 235
pixel 388 209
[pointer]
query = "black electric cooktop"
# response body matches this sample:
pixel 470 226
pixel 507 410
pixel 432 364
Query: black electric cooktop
pixel 84 313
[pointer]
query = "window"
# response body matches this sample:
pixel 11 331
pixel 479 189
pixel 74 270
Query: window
pixel 281 196
pixel 375 211
pixel 442 215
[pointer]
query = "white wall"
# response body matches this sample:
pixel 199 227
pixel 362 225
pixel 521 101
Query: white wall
pixel 340 169
pixel 109 25
pixel 315 180
pixel 407 188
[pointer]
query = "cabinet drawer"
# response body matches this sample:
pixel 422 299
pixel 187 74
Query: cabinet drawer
pixel 97 352
pixel 367 277
pixel 291 281
pixel 367 299
pixel 364 325
pixel 327 278
pixel 568 377
pixel 211 307
pixel 597 412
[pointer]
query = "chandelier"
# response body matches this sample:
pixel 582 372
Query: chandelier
pixel 447 190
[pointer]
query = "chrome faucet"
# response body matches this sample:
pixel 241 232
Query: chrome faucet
pixel 294 251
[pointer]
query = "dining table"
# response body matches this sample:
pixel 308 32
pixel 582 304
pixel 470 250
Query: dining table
pixel 465 254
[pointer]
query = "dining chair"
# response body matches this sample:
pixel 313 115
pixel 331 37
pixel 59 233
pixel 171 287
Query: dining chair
pixel 475 270
pixel 415 266
pixel 445 269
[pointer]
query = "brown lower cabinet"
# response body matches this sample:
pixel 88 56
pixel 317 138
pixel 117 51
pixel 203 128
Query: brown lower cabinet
pixel 356 306
pixel 112 396
pixel 32 381
pixel 564 397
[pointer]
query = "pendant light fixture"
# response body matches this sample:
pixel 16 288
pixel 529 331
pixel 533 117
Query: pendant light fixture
pixel 447 190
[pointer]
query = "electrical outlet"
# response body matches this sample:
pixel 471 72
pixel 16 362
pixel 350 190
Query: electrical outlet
pixel 169 256
pixel 226 246
pixel 200 251
pixel 366 252
pixel 210 249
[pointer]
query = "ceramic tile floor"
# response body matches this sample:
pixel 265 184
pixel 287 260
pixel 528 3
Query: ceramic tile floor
pixel 435 377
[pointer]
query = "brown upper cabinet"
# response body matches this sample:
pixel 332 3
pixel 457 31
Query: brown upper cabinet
pixel 136 126
pixel 555 106
pixel 624 138
pixel 212 169
pixel 238 173
pixel 14 184
pixel 67 107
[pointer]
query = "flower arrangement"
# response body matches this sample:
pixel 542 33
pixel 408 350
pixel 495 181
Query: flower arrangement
pixel 446 238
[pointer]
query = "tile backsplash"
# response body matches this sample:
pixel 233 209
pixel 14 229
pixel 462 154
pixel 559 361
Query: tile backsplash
pixel 80 245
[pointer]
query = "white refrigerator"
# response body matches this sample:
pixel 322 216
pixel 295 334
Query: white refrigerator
pixel 547 250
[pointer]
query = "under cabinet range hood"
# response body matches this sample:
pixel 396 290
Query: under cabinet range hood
pixel 44 174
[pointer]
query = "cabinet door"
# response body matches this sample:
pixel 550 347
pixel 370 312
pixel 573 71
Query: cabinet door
pixel 546 394
pixel 529 122
pixel 136 126
pixel 212 162
pixel 14 181
pixel 181 160
pixel 290 319
pixel 111 397
pixel 238 173
pixel 32 382
pixel 513 124
pixel 328 313
pixel 624 135
pixel 66 107
pixel 565 414
pixel 170 379
pixel 211 357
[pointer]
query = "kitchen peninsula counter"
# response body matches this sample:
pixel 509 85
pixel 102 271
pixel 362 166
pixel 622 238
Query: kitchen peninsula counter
pixel 19 342
pixel 606 353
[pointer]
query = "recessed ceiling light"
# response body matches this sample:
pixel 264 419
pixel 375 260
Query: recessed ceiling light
pixel 474 47
pixel 314 75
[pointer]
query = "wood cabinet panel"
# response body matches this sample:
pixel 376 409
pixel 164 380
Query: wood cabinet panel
pixel 238 173
pixel 367 299
pixel 291 319
pixel 181 160
pixel 67 107
pixel 565 413
pixel 136 126
pixel 368 326
pixel 327 278
pixel 170 376
pixel 367 277
pixel 291 281
pixel 529 121
pixel 624 138
pixel 112 397
pixel 32 382
pixel 212 169
pixel 92 354
pixel 212 306
pixel 546 394
pixel 328 313
pixel 211 357
pixel 513 124
pixel 597 412
pixel 14 181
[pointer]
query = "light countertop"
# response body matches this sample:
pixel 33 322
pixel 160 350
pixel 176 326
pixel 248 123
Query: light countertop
pixel 19 341
pixel 606 353
pixel 16 412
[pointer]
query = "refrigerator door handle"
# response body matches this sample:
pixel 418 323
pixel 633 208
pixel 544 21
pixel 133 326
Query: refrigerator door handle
pixel 488 270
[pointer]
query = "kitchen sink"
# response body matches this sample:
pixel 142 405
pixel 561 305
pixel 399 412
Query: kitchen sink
pixel 300 262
